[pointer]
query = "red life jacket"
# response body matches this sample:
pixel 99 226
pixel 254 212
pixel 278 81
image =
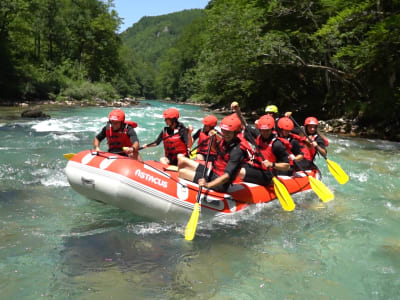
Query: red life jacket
pixel 244 145
pixel 173 144
pixel 309 153
pixel 203 142
pixel 266 151
pixel 223 155
pixel 120 138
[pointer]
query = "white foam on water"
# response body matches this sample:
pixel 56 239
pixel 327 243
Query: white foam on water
pixel 362 177
pixel 65 137
pixel 71 124
pixel 150 228
pixel 54 125
pixel 390 206
pixel 48 177
pixel 55 181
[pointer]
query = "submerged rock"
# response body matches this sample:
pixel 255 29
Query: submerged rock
pixel 34 113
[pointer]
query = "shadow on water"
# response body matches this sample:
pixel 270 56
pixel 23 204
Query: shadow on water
pixel 143 265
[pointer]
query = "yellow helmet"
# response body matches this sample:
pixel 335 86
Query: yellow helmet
pixel 271 108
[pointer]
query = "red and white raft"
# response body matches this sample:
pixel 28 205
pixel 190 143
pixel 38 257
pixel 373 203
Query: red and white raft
pixel 148 189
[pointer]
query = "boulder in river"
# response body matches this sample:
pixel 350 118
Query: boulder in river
pixel 34 113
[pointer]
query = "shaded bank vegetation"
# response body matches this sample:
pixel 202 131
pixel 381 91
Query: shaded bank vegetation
pixel 328 58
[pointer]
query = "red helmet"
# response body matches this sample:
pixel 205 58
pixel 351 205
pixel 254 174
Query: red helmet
pixel 285 123
pixel 231 123
pixel 311 121
pixel 116 115
pixel 266 122
pixel 210 120
pixel 171 113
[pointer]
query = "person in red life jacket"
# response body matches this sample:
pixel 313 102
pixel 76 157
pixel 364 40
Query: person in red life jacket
pixel 274 156
pixel 176 137
pixel 121 135
pixel 231 154
pixel 209 123
pixel 285 126
pixel 315 141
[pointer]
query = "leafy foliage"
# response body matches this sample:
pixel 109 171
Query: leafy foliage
pixel 327 58
pixel 47 43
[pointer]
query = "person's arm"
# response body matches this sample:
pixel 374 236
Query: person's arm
pixel 216 182
pixel 236 158
pixel 183 134
pixel 190 139
pixel 156 142
pixel 134 140
pixel 296 150
pixel 231 169
pixel 99 137
pixel 320 145
pixel 96 144
pixel 282 160
pixel 196 135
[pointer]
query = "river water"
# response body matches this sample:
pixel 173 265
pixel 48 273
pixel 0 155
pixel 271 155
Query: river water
pixel 56 244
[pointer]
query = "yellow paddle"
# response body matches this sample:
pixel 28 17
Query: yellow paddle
pixel 192 154
pixel 191 226
pixel 68 156
pixel 336 171
pixel 333 167
pixel 322 191
pixel 283 195
pixel 281 192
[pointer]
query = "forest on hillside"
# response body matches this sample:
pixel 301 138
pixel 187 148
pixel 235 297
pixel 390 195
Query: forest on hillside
pixel 328 58
pixel 71 49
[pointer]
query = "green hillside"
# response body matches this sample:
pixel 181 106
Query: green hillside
pixel 152 36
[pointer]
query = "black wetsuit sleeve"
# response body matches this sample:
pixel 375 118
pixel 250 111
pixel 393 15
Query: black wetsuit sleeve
pixel 296 149
pixel 102 134
pixel 196 135
pixel 320 142
pixel 132 135
pixel 184 134
pixel 280 152
pixel 236 158
pixel 158 140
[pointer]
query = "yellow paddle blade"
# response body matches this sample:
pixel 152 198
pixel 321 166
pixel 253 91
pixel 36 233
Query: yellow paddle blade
pixel 337 172
pixel 321 189
pixel 171 168
pixel 283 195
pixel 191 226
pixel 68 156
pixel 192 154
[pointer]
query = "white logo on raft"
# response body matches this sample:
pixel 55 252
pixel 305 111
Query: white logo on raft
pixel 151 178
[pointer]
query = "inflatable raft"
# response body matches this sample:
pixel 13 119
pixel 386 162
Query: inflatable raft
pixel 149 189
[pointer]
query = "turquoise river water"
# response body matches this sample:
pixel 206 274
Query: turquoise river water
pixel 56 244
